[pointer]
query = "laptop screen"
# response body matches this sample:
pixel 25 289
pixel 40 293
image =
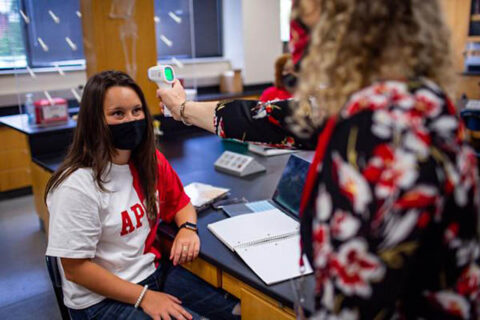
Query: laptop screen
pixel 290 187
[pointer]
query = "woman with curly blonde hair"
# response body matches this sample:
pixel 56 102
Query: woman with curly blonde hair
pixel 357 43
pixel 390 206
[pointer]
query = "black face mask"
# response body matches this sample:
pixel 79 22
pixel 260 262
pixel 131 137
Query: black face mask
pixel 289 80
pixel 128 135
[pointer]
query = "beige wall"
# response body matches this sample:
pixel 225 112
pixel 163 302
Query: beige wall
pixel 251 37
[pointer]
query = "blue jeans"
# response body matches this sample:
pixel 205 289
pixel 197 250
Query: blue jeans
pixel 197 296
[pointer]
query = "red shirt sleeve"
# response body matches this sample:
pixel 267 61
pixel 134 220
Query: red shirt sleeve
pixel 268 94
pixel 273 93
pixel 171 194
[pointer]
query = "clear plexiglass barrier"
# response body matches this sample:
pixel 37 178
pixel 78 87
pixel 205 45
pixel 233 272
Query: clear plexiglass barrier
pixel 42 52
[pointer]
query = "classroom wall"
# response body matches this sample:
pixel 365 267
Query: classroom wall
pixel 261 39
pixel 233 33
pixel 251 38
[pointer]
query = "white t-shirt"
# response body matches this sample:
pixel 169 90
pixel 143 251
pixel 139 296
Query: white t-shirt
pixel 111 228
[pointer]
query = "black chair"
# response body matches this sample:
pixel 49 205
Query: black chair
pixel 54 273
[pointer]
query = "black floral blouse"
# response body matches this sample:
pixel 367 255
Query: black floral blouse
pixel 392 222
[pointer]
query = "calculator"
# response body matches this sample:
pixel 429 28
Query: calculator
pixel 238 164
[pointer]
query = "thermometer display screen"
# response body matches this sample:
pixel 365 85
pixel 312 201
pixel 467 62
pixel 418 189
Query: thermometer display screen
pixel 168 74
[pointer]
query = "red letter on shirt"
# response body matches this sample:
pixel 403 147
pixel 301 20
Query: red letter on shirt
pixel 139 213
pixel 127 225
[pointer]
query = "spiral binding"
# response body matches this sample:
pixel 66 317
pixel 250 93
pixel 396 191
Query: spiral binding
pixel 266 240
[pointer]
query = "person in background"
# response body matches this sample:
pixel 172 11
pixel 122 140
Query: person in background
pixel 285 80
pixel 390 209
pixel 105 202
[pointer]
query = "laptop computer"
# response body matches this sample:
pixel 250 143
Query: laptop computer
pixel 287 195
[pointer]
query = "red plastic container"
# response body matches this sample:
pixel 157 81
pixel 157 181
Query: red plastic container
pixel 49 113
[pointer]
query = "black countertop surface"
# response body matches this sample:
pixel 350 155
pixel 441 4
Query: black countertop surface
pixel 19 122
pixel 193 160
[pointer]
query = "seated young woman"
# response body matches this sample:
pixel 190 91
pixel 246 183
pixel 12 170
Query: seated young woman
pixel 105 202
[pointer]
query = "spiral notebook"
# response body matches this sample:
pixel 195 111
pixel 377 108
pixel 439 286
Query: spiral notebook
pixel 268 242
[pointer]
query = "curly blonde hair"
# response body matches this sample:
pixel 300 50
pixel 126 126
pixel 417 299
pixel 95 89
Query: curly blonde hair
pixel 357 42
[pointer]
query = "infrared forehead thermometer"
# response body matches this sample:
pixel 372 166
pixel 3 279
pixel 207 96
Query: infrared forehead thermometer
pixel 164 76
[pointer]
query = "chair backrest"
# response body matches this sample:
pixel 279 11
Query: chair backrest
pixel 54 273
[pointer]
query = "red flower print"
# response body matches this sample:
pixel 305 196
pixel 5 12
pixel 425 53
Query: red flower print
pixel 288 141
pixel 418 141
pixel 321 245
pixel 384 121
pixel 376 97
pixel 446 127
pixel 469 282
pixel 424 220
pixel 363 102
pixel 221 129
pixel 419 197
pixel 354 268
pixel 352 184
pixel 451 303
pixel 390 169
pixel 467 169
pixel 273 121
pixel 451 232
pixel 427 103
pixel 397 90
pixel 343 225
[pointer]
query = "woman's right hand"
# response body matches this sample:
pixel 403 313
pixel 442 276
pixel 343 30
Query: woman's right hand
pixel 162 306
pixel 172 98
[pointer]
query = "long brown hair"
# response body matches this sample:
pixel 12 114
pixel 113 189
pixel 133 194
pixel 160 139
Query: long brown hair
pixel 92 145
pixel 279 66
pixel 357 42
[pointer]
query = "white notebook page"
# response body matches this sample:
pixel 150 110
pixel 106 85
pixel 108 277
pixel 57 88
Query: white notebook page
pixel 252 227
pixel 275 261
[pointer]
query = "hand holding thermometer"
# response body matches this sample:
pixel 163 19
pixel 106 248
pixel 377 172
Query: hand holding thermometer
pixel 164 76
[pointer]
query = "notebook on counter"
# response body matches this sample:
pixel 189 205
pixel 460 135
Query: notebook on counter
pixel 268 151
pixel 268 242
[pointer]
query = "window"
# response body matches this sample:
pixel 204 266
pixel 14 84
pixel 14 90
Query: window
pixel 40 33
pixel 12 49
pixel 56 25
pixel 285 10
pixel 45 33
pixel 174 26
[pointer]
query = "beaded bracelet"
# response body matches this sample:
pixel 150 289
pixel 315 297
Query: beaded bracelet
pixel 140 298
